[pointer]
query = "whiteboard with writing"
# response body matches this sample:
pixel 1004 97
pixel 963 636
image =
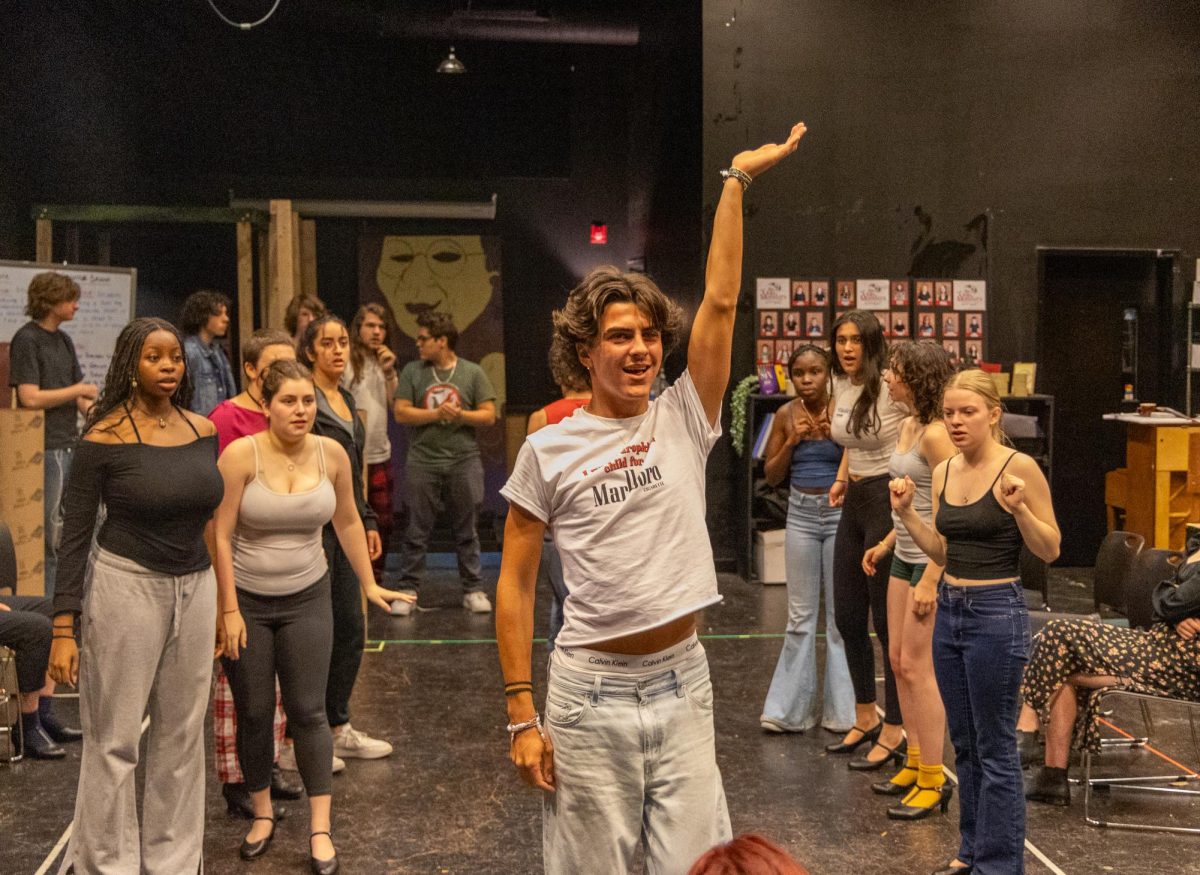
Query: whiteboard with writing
pixel 106 304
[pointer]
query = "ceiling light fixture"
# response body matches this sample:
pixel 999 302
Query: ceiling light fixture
pixel 451 64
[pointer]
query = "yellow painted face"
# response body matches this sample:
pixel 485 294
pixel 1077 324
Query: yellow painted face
pixel 447 274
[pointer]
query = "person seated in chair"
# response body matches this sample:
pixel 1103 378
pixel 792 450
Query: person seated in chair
pixel 1073 659
pixel 25 629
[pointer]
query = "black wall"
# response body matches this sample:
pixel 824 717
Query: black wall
pixel 158 102
pixel 1060 124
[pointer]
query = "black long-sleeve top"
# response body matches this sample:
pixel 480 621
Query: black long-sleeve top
pixel 1179 598
pixel 329 424
pixel 157 500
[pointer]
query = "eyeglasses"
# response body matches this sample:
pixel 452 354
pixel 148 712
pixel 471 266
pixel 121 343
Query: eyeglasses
pixel 421 338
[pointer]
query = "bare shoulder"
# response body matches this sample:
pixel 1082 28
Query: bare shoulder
pixel 112 428
pixel 1025 466
pixel 335 454
pixel 202 424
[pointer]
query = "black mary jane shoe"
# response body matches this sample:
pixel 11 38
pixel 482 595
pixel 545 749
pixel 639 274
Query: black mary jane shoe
pixel 239 804
pixel 281 789
pixel 863 764
pixel 850 747
pixel 322 867
pixel 904 811
pixel 950 869
pixel 253 850
pixel 891 788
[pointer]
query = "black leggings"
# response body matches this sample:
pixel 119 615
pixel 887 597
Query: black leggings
pixel 349 631
pixel 866 520
pixel 290 636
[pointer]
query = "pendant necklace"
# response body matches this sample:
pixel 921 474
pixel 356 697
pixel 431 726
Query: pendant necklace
pixel 449 376
pixel 162 420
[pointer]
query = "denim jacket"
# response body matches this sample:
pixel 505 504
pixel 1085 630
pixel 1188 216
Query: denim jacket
pixel 211 376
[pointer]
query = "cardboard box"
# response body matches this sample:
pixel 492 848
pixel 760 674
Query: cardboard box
pixel 768 556
pixel 21 481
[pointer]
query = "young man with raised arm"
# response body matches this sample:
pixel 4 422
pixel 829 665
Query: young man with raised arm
pixel 625 750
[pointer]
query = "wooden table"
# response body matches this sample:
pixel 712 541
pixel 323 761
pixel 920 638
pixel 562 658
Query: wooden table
pixel 1159 503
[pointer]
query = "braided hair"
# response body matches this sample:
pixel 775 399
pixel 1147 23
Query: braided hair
pixel 123 368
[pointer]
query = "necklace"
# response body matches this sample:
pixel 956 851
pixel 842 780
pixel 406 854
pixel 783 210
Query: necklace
pixel 449 376
pixel 161 420
pixel 289 461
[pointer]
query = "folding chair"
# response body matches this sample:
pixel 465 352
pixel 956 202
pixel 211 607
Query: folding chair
pixel 1114 560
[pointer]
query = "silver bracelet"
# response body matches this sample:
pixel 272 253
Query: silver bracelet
pixel 515 729
pixel 740 175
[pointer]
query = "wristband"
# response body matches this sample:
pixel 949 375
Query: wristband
pixel 515 729
pixel 516 691
pixel 740 175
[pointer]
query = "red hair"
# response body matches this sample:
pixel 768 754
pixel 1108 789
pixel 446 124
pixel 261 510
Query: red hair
pixel 748 854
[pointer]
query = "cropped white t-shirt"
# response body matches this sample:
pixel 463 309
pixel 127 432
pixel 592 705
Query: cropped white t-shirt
pixel 625 502
pixel 871 451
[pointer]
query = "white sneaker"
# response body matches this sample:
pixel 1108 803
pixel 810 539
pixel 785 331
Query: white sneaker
pixel 401 608
pixel 352 743
pixel 477 603
pixel 287 760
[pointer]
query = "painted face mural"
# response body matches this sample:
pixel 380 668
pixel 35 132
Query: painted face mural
pixel 447 274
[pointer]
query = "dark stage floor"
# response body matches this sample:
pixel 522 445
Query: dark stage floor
pixel 447 800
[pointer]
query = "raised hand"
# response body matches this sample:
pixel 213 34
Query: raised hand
pixel 387 358
pixel 901 492
pixel 1012 491
pixel 765 157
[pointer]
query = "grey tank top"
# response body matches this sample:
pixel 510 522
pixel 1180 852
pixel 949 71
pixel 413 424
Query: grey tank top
pixel 277 547
pixel 914 465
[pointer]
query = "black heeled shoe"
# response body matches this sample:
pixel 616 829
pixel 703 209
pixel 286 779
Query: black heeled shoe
pixel 253 850
pixel 898 753
pixel 322 867
pixel 949 869
pixel 904 811
pixel 850 747
pixel 281 789
pixel 891 788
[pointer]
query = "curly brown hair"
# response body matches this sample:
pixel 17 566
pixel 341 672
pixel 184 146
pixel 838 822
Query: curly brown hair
pixel 925 368
pixel 278 372
pixel 578 323
pixel 46 291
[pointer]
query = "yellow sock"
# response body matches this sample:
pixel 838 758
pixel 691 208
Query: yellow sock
pixel 914 757
pixel 931 777
pixel 928 790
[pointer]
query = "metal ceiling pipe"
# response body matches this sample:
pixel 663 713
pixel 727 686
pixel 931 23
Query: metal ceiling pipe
pixel 362 209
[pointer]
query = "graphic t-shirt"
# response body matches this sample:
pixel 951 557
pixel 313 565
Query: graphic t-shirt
pixel 436 447
pixel 625 502
pixel 47 359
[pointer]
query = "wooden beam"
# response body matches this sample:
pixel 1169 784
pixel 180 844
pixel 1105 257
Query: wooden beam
pixel 308 257
pixel 45 241
pixel 245 288
pixel 285 268
pixel 137 213
pixel 297 270
pixel 264 276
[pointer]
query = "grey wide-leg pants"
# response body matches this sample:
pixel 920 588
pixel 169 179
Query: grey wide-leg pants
pixel 147 651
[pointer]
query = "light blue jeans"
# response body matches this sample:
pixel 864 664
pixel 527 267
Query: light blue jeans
pixel 634 761
pixel 792 702
pixel 56 469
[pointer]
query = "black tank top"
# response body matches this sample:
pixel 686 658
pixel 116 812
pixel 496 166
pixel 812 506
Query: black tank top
pixel 983 541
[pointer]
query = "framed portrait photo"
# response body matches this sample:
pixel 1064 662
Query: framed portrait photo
pixel 949 324
pixel 899 293
pixel 768 323
pixel 845 294
pixel 943 293
pixel 900 323
pixel 800 293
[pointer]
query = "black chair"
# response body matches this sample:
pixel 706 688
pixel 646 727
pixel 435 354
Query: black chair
pixel 1114 560
pixel 1150 568
pixel 1034 576
pixel 8 559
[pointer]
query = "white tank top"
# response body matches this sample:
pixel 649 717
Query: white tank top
pixel 277 546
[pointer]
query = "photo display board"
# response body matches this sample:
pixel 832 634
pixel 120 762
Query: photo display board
pixel 790 311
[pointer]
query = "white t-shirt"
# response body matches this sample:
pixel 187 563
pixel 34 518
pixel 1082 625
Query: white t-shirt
pixel 625 502
pixel 871 451
pixel 371 397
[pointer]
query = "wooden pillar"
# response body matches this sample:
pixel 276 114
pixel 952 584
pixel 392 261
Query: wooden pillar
pixel 264 277
pixel 308 257
pixel 245 286
pixel 45 241
pixel 104 248
pixel 284 261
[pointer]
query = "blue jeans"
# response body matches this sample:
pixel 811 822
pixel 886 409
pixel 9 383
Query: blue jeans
pixel 56 469
pixel 792 702
pixel 634 761
pixel 980 647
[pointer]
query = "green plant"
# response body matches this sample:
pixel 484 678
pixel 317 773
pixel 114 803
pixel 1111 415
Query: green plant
pixel 737 412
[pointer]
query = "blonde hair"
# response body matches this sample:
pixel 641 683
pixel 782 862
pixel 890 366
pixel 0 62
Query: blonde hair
pixel 982 384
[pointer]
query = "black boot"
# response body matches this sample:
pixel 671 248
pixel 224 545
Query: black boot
pixel 35 743
pixel 1029 747
pixel 53 727
pixel 1048 785
pixel 281 789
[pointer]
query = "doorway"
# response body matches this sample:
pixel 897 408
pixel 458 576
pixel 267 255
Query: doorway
pixel 1106 319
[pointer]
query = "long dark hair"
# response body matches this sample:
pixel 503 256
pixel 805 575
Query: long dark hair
pixel 122 370
pixel 310 338
pixel 359 350
pixel 864 416
pixel 925 368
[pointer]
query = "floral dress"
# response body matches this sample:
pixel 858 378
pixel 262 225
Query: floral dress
pixel 1157 662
